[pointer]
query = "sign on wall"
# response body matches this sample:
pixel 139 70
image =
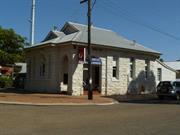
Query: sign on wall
pixel 94 61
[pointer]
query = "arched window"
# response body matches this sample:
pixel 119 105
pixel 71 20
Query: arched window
pixel 147 68
pixel 65 70
pixel 132 68
pixel 116 67
pixel 42 66
pixel 42 69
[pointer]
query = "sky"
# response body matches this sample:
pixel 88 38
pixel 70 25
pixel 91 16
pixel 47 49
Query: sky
pixel 152 23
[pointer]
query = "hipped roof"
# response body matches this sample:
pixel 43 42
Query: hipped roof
pixel 74 32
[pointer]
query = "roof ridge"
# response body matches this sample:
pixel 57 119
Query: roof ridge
pixel 95 27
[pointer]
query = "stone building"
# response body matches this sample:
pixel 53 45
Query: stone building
pixel 119 66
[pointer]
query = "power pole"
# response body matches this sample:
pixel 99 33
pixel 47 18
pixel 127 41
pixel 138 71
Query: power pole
pixel 90 92
pixel 32 21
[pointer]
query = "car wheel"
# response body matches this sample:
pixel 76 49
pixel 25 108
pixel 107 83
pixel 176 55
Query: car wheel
pixel 178 96
pixel 161 97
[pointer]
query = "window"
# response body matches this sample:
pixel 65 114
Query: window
pixel 29 65
pixel 115 68
pixel 114 71
pixel 42 69
pixel 147 68
pixel 65 78
pixel 49 67
pixel 159 74
pixel 132 68
pixel 34 67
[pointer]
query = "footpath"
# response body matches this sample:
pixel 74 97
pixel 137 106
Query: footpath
pixel 52 99
pixel 20 97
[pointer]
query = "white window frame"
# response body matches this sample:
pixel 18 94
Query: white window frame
pixel 132 68
pixel 159 74
pixel 42 69
pixel 147 68
pixel 115 68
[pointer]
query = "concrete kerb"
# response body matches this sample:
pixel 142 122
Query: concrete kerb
pixel 57 104
pixel 80 101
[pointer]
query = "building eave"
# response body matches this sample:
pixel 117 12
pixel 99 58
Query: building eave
pixel 157 55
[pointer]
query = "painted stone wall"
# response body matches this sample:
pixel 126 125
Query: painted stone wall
pixel 77 75
pixel 51 81
pixel 124 84
pixel 35 80
pixel 144 81
pixel 118 85
pixel 55 56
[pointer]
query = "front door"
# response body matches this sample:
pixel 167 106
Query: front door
pixel 96 78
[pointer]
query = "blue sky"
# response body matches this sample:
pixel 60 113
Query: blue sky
pixel 134 19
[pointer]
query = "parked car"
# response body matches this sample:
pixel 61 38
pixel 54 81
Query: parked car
pixel 168 89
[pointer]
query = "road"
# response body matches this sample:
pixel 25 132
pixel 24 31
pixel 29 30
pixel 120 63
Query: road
pixel 120 119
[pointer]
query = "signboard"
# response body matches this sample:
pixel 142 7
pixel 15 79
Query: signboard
pixel 94 61
pixel 81 54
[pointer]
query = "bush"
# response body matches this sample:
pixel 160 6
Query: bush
pixel 6 81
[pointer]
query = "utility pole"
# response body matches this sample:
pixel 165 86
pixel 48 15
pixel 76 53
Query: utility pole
pixel 90 92
pixel 32 21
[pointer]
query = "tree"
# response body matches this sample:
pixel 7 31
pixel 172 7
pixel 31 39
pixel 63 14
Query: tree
pixel 11 47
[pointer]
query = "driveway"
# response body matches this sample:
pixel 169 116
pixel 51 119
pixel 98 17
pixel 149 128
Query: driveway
pixel 121 119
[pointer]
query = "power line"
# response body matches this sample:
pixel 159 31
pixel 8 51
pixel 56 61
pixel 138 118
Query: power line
pixel 74 15
pixel 94 3
pixel 131 18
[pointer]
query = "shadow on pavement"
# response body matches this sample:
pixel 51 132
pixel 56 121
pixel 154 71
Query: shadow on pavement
pixel 23 91
pixel 143 99
pixel 14 90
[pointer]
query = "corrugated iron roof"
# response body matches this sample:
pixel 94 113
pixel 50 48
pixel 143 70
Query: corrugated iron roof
pixel 100 37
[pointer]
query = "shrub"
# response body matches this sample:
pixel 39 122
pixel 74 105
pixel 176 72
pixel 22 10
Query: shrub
pixel 6 81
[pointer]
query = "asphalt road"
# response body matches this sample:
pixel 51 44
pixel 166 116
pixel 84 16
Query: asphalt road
pixel 121 119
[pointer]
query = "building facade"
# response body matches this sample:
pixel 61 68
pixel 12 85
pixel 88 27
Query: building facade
pixel 175 65
pixel 119 66
pixel 164 72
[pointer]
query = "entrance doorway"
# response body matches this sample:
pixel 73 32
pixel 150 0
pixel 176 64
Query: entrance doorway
pixel 95 79
pixel 64 81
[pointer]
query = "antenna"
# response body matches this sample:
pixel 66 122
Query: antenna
pixel 32 21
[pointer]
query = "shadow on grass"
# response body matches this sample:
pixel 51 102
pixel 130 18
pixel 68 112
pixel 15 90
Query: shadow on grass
pixel 143 99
